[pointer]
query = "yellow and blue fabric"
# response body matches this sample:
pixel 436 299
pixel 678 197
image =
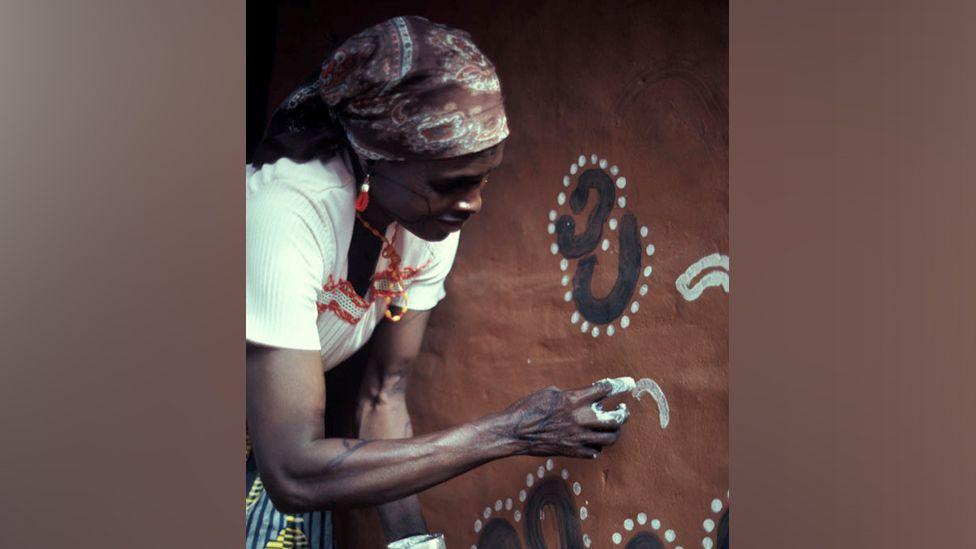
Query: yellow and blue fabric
pixel 267 528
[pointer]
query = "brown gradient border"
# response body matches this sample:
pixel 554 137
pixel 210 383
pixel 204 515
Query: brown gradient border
pixel 121 399
pixel 121 140
pixel 853 312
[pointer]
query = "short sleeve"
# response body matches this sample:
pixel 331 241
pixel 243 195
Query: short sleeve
pixel 285 261
pixel 426 290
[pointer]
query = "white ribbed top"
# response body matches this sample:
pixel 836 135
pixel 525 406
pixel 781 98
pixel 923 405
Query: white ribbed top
pixel 300 219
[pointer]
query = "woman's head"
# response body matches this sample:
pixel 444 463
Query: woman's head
pixel 410 89
pixel 422 109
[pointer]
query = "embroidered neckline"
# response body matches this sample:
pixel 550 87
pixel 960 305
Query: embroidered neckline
pixel 339 296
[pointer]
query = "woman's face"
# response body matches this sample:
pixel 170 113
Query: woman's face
pixel 432 198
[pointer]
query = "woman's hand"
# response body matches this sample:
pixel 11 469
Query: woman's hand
pixel 553 422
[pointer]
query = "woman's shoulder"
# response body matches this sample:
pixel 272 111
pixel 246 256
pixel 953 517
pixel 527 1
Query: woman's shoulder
pixel 312 200
pixel 317 178
pixel 323 189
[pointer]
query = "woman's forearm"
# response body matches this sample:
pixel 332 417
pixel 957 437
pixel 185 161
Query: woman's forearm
pixel 329 473
pixel 302 471
pixel 382 414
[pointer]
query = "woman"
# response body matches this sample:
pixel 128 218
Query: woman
pixel 354 203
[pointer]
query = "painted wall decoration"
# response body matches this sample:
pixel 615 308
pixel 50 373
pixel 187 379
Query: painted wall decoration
pixel 645 531
pixel 716 269
pixel 589 260
pixel 557 501
pixel 547 495
pixel 649 386
pixel 595 185
pixel 716 524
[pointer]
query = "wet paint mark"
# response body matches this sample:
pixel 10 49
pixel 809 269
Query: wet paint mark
pixel 618 384
pixel 649 386
pixel 617 416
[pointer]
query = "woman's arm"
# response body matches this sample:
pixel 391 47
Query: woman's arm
pixel 381 411
pixel 303 471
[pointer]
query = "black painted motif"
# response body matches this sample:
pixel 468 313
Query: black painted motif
pixel 551 495
pixel 605 310
pixel 722 535
pixel 499 534
pixel 572 246
pixel 645 540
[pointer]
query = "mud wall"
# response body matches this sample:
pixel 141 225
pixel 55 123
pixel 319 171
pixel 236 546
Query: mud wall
pixel 629 99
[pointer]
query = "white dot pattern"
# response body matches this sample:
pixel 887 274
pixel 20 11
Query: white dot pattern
pixel 620 181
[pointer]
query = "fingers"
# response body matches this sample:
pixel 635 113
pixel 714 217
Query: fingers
pixel 595 417
pixel 619 385
pixel 575 422
pixel 603 388
pixel 593 444
pixel 549 389
pixel 602 438
pixel 593 393
pixel 583 452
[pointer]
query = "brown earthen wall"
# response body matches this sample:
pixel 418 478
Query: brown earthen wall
pixel 644 86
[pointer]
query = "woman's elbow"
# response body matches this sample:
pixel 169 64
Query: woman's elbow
pixel 290 495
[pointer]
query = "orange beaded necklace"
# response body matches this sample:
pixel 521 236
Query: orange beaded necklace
pixel 393 271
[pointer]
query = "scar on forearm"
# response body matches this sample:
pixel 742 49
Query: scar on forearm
pixel 351 448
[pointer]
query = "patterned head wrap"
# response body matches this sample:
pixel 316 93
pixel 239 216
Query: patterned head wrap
pixel 406 88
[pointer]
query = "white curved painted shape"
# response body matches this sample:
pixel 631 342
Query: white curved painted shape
pixel 713 278
pixel 649 386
